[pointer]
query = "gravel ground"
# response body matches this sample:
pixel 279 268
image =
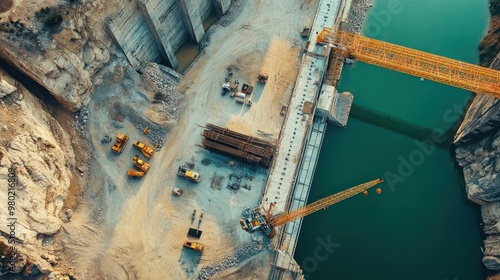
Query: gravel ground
pixel 244 252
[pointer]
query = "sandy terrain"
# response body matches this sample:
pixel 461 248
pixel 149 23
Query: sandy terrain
pixel 134 229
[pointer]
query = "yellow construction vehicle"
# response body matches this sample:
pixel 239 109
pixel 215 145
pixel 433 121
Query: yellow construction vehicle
pixel 146 150
pixel 135 174
pixel 258 219
pixel 140 163
pixel 189 174
pixel 121 140
pixel 194 246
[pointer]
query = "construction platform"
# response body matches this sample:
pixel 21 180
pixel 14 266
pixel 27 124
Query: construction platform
pixel 312 105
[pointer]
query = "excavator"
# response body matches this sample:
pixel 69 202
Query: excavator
pixel 255 219
pixel 146 150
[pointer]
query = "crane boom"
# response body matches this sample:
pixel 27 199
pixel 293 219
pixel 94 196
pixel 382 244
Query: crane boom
pixel 322 203
pixel 413 62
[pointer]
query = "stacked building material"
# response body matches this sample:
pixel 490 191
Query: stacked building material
pixel 246 148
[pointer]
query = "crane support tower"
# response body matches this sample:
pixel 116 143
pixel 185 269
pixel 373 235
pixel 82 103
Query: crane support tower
pixel 413 62
pixel 256 218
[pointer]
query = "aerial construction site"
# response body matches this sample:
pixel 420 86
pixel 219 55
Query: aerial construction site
pixel 133 170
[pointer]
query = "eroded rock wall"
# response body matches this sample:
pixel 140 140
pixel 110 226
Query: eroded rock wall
pixel 477 147
pixel 37 152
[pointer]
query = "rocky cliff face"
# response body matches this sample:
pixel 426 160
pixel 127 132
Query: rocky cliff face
pixel 477 147
pixel 37 155
pixel 58 44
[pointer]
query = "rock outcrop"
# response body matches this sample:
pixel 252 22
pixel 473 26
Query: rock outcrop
pixel 37 155
pixel 60 56
pixel 477 147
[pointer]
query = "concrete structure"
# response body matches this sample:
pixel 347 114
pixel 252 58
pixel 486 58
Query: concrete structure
pixel 192 20
pixel 312 104
pixel 154 30
pixel 334 106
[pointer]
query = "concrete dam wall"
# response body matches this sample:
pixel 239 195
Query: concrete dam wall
pixel 153 30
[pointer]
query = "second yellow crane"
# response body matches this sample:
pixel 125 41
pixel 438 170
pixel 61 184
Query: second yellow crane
pixel 257 219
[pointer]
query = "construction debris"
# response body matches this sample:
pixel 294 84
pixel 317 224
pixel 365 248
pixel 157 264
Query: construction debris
pixel 241 254
pixel 249 149
pixel 234 182
pixel 216 181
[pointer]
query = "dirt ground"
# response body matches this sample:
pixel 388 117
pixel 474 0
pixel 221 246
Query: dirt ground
pixel 134 229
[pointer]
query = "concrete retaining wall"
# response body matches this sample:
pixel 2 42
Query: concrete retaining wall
pixel 155 29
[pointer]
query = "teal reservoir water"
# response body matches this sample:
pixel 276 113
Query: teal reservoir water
pixel 422 226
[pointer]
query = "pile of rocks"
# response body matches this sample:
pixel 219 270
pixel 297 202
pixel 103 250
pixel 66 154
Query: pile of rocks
pixel 82 120
pixel 165 88
pixel 155 133
pixel 243 253
pixel 357 15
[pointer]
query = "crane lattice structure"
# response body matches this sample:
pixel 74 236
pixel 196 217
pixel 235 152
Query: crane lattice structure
pixel 413 62
pixel 322 203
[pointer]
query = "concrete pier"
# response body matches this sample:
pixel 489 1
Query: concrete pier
pixel 152 14
pixel 312 105
pixel 192 19
pixel 154 30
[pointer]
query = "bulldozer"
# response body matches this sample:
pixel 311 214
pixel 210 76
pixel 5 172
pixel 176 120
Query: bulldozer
pixel 194 246
pixel 132 173
pixel 121 140
pixel 189 174
pixel 141 164
pixel 146 150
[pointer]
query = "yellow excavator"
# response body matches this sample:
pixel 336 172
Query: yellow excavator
pixel 258 219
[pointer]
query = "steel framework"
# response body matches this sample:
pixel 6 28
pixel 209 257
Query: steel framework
pixel 417 63
pixel 322 203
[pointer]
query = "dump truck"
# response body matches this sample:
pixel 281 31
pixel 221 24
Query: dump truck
pixel 194 246
pixel 121 140
pixel 132 173
pixel 262 77
pixel 140 163
pixel 146 150
pixel 189 174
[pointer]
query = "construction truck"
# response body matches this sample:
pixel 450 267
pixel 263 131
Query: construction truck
pixel 262 77
pixel 177 191
pixel 226 86
pixel 132 173
pixel 146 150
pixel 121 140
pixel 140 163
pixel 257 218
pixel 198 247
pixel 189 174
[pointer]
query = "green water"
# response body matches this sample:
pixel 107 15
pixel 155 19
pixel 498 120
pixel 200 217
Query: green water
pixel 422 226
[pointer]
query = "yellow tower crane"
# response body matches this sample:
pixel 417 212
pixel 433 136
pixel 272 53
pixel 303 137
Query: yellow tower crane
pixel 409 61
pixel 257 219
